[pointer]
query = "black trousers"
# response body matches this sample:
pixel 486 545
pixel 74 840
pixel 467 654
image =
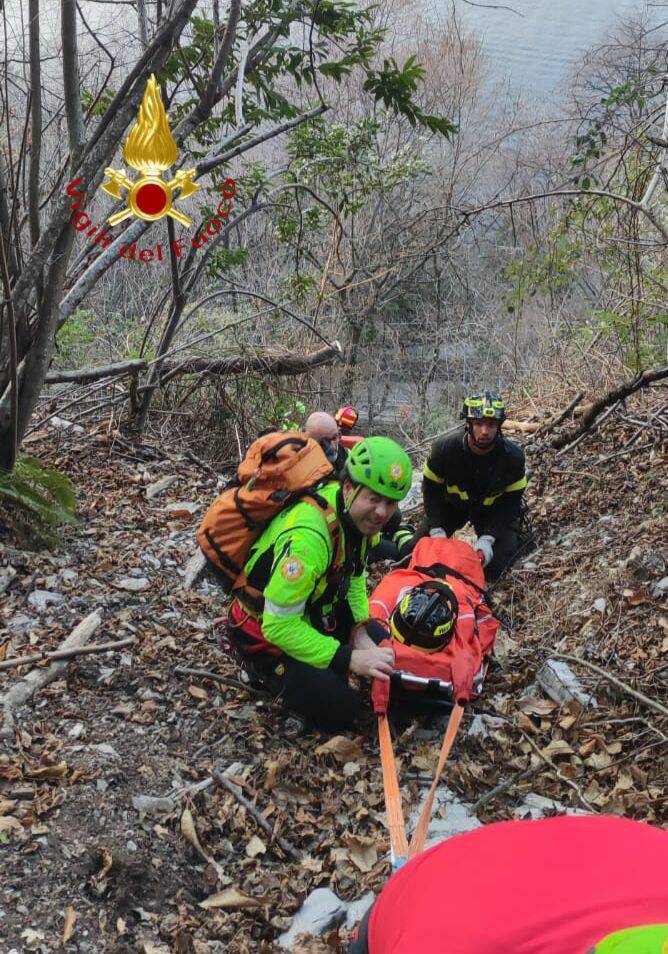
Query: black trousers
pixel 321 697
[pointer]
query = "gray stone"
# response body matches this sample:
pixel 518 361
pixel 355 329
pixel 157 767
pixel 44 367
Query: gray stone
pixel 7 574
pixel 537 806
pixel 69 575
pixel 357 909
pixel 413 498
pixel 458 817
pixel 660 589
pixel 77 730
pixel 191 507
pixel 153 805
pixel 105 749
pixel 645 564
pixel 20 623
pixel 131 846
pixel 134 585
pixel 559 682
pixel 193 568
pixel 482 724
pixel 159 487
pixel 321 911
pixel 600 605
pixel 60 424
pixel 40 599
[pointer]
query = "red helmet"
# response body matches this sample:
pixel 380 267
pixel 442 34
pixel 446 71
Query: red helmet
pixel 346 416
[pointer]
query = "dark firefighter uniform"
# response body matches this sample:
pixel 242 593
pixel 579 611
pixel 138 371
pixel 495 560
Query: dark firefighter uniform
pixel 459 486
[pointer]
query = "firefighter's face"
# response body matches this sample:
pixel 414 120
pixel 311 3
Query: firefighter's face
pixel 368 511
pixel 484 433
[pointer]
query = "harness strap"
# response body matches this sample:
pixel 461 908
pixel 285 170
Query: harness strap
pixel 393 808
pixel 400 850
pixel 422 827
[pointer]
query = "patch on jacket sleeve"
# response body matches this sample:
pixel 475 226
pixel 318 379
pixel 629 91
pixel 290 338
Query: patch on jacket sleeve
pixel 292 569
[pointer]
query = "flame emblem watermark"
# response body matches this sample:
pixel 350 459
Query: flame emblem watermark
pixel 150 150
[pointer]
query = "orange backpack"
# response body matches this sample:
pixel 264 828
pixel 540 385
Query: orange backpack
pixel 278 469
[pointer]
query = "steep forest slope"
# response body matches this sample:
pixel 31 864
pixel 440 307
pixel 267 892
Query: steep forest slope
pixel 109 769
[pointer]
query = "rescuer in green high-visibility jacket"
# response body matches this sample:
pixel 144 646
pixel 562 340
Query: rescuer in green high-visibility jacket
pixel 478 475
pixel 300 619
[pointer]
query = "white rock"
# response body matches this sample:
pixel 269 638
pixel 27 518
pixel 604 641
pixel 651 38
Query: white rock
pixel 153 805
pixel 194 567
pixel 7 574
pixel 559 682
pixel 537 806
pixel 40 599
pixel 135 585
pixel 357 909
pixel 413 498
pixel 600 605
pixel 458 818
pixel 660 589
pixel 69 575
pixel 60 424
pixel 77 730
pixel 321 911
pixel 482 724
pixel 105 749
pixel 159 487
pixel 183 505
pixel 20 623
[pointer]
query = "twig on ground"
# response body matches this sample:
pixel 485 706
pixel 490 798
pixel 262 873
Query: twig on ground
pixel 205 674
pixel 36 679
pixel 230 787
pixel 504 786
pixel 67 653
pixel 641 697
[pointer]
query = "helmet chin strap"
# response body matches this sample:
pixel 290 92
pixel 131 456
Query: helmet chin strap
pixel 351 498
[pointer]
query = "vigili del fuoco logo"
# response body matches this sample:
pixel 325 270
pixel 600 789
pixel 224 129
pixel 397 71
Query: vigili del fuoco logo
pixel 150 150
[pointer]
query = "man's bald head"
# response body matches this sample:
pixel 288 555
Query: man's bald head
pixel 321 426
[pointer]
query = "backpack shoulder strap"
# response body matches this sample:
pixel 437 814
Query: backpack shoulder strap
pixel 329 515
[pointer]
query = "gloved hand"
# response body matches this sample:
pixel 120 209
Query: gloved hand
pixel 437 532
pixel 485 545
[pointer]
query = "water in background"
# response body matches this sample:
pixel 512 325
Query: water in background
pixel 538 50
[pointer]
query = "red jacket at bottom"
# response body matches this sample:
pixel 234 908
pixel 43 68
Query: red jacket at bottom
pixel 555 886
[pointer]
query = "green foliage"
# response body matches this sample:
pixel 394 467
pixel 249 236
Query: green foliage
pixel 101 106
pixel 298 286
pixel 227 258
pixel 38 499
pixel 287 414
pixel 74 338
pixel 344 161
pixel 397 86
pixel 542 271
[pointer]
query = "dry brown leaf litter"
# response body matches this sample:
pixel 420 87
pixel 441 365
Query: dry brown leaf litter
pixel 79 858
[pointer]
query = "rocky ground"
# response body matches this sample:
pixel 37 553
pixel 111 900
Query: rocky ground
pixel 116 836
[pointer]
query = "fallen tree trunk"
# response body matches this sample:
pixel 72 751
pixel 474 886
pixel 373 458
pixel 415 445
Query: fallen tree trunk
pixel 611 397
pixel 36 679
pixel 96 374
pixel 272 363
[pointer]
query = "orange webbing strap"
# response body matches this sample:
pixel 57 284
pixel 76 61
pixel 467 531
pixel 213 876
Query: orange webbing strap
pixel 395 814
pixel 422 828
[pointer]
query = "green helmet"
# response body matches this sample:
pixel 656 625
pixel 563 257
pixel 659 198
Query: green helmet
pixel 487 404
pixel 381 465
pixel 652 939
